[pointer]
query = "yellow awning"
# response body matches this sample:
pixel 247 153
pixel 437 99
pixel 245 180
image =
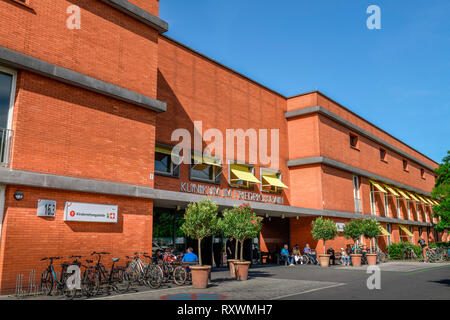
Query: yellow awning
pixel 376 185
pixel 163 150
pixel 274 181
pixel 436 202
pixel 405 230
pixel 384 231
pixel 428 200
pixel 420 198
pixel 242 173
pixel 391 190
pixel 403 194
pixel 413 196
pixel 199 159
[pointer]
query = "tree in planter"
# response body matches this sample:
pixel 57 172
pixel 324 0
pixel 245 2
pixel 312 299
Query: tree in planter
pixel 241 223
pixel 324 229
pixel 371 230
pixel 354 230
pixel 201 221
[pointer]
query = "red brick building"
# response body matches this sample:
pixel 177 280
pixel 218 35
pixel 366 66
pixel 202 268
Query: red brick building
pixel 87 116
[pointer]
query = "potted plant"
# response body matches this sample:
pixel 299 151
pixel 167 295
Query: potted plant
pixel 371 230
pixel 227 226
pixel 324 229
pixel 243 224
pixel 354 230
pixel 200 221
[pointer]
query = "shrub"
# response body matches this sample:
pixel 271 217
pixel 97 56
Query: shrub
pixel 397 250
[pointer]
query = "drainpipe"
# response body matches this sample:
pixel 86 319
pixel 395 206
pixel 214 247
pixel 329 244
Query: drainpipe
pixel 2 208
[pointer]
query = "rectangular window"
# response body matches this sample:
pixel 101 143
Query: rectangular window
pixel 372 200
pixel 399 210
pixel 7 90
pixel 408 208
pixel 422 173
pixel 163 162
pixel 382 154
pixel 425 212
pixel 412 231
pixel 386 205
pixel 242 176
pixel 356 195
pixel 205 169
pixel 405 165
pixel 271 181
pixel 389 229
pixel 353 140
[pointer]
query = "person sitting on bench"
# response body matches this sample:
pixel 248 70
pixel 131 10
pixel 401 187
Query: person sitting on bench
pixel 286 256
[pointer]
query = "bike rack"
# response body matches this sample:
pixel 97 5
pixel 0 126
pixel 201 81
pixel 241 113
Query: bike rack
pixel 19 293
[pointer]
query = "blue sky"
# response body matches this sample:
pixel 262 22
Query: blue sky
pixel 396 77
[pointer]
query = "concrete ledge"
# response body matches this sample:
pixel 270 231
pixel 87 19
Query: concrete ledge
pixel 139 14
pixel 171 199
pixel 21 61
pixel 345 167
pixel 348 124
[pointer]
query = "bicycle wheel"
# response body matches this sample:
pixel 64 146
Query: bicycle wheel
pixel 46 282
pixel 122 281
pixel 179 276
pixel 68 293
pixel 154 276
pixel 90 284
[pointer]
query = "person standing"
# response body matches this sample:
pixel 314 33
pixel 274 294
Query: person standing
pixel 217 251
pixel 330 251
pixel 424 246
pixel 230 248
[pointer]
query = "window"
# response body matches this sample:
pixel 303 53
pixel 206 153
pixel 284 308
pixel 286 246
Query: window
pixel 205 169
pixel 353 140
pixel 356 197
pixel 271 181
pixel 382 155
pixel 389 229
pixel 7 90
pixel 163 162
pixel 372 200
pixel 405 165
pixel 412 231
pixel 422 173
pixel 386 205
pixel 408 208
pixel 398 208
pixel 242 176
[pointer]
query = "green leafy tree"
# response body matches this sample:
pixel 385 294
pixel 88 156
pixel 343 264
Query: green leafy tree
pixel 353 230
pixel 241 223
pixel 441 192
pixel 324 229
pixel 371 230
pixel 201 221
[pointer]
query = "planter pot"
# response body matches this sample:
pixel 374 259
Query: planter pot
pixel 200 276
pixel 242 270
pixel 371 259
pixel 356 260
pixel 324 260
pixel 232 267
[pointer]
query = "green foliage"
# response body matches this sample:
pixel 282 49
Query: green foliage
pixel 353 229
pixel 324 229
pixel 397 250
pixel 371 228
pixel 441 192
pixel 201 221
pixel 163 224
pixel 241 223
pixel 445 245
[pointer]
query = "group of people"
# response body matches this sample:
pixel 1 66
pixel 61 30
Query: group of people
pixel 295 257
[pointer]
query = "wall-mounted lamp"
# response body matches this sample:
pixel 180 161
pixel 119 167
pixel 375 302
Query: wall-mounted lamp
pixel 18 195
pixel 267 215
pixel 282 217
pixel 298 218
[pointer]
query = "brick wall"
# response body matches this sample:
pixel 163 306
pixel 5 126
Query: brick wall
pixel 27 238
pixel 59 129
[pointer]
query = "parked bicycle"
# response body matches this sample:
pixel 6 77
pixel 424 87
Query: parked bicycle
pixel 116 278
pixel 50 281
